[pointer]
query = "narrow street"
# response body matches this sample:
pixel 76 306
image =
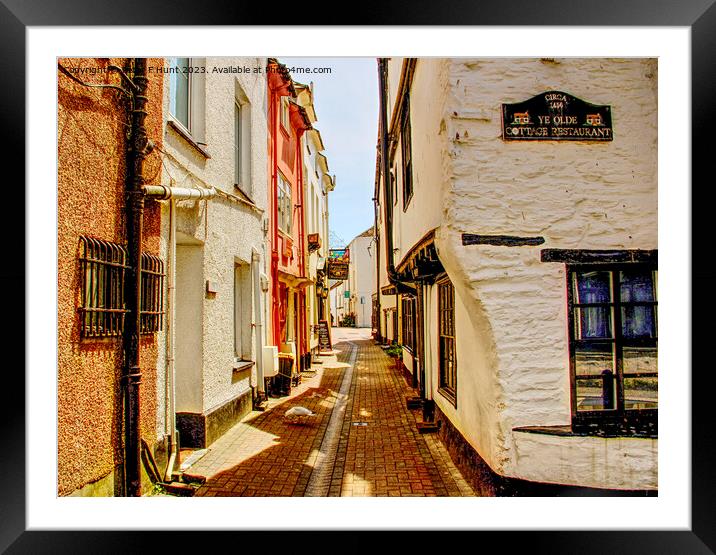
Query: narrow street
pixel 363 440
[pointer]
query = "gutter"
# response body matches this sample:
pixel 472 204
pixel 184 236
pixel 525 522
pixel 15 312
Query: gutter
pixel 393 276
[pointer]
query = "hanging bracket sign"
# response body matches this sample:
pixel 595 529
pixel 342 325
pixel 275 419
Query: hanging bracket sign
pixel 337 270
pixel 556 116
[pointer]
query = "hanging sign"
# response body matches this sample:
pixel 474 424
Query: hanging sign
pixel 556 116
pixel 339 255
pixel 337 270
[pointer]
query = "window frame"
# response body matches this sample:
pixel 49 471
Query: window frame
pixel 409 322
pixel 619 420
pixel 173 90
pixel 238 144
pixel 285 205
pixel 447 385
pixel 285 114
pixel 406 158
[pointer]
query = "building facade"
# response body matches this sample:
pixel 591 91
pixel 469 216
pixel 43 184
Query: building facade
pixel 96 172
pixel 288 122
pixel 522 244
pixel 317 183
pixel 361 277
pixel 215 136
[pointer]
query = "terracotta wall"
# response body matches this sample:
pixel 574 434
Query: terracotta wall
pixel 91 182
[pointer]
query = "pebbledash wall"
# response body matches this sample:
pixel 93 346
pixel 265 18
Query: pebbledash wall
pixel 215 241
pixel 91 181
pixel 511 308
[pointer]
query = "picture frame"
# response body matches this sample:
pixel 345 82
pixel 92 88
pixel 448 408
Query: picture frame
pixel 699 15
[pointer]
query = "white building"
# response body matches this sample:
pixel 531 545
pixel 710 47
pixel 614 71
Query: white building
pixel 526 263
pixel 317 184
pixel 361 277
pixel 215 143
pixel 340 303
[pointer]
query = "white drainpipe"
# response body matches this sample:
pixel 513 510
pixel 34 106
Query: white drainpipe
pixel 162 192
pixel 259 339
pixel 169 381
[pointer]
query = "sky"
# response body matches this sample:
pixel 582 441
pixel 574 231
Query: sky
pixel 346 104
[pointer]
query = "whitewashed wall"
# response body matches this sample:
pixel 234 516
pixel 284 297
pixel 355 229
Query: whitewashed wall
pixel 510 307
pixel 361 282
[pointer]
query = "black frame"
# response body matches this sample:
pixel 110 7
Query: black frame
pixel 446 336
pixel 699 15
pixel 409 323
pixel 618 420
pixel 406 151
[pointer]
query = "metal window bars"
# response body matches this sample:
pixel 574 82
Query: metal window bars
pixel 102 308
pixel 152 315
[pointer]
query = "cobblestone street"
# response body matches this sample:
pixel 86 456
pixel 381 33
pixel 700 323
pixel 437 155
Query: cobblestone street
pixel 363 440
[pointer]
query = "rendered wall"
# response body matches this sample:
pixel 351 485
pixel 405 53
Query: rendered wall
pixel 91 151
pixel 227 228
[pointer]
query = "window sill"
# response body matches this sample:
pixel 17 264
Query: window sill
pixel 239 189
pixel 184 134
pixel 449 395
pixel 241 365
pixel 568 431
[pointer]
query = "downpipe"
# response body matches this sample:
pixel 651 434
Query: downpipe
pixel 258 313
pixel 131 371
pixel 173 194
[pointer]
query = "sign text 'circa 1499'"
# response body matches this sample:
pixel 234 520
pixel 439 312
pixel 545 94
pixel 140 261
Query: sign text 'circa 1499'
pixel 556 116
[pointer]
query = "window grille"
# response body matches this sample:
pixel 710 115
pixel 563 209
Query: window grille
pixel 103 267
pixel 152 313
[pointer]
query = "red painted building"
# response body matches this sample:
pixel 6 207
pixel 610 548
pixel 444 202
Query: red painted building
pixel 287 123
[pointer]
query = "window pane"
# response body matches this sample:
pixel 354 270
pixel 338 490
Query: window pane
pixel 237 144
pixel 637 286
pixel 595 377
pixel 639 359
pixel 593 287
pixel 638 322
pixel 593 359
pixel 179 98
pixel 593 322
pixel 640 393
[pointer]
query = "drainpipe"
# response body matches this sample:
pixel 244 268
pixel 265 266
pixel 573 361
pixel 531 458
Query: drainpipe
pixel 256 268
pixel 388 192
pixel 376 213
pixel 173 194
pixel 302 343
pixel 170 372
pixel 131 372
pixel 274 201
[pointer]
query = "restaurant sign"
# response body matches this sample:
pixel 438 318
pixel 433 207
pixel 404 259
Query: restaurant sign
pixel 556 116
pixel 337 269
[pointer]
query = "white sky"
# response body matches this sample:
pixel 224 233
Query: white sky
pixel 346 104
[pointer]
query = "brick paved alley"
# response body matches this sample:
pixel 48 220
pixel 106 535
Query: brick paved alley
pixel 362 442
